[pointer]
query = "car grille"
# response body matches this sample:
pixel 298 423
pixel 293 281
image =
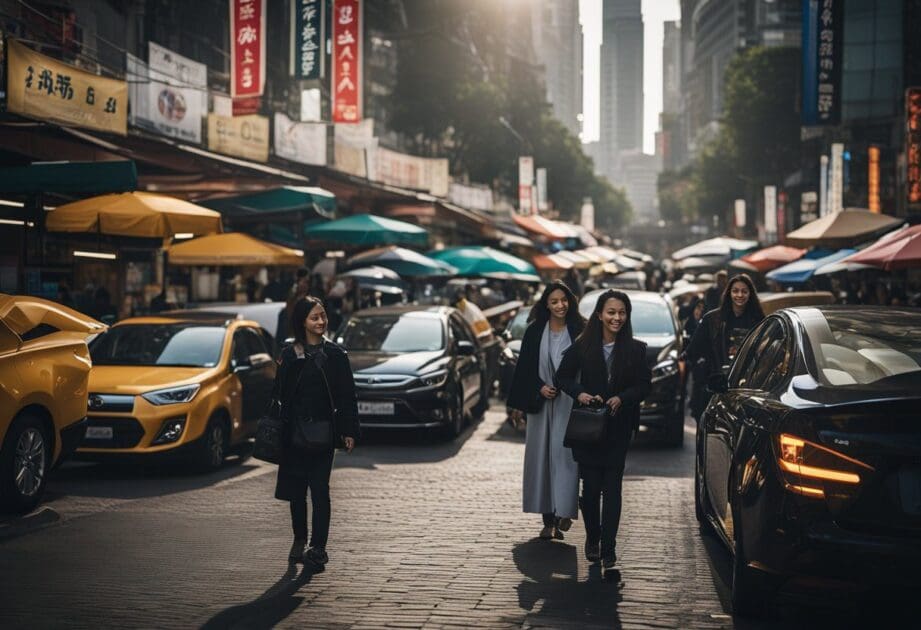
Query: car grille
pixel 113 403
pixel 382 381
pixel 126 433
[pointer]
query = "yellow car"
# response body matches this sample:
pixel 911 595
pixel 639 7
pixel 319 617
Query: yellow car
pixel 44 367
pixel 182 384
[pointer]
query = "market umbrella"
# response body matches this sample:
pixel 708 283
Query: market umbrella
pixel 138 214
pixel 233 248
pixel 701 262
pixel 773 257
pixel 551 262
pixel 719 246
pixel 803 269
pixel 372 273
pixel 485 261
pixel 367 229
pixel 843 229
pixel 608 268
pixel 742 265
pixel 403 261
pixel 900 250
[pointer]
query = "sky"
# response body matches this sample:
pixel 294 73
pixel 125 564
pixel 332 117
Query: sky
pixel 655 12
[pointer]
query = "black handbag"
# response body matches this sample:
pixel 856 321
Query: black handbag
pixel 310 434
pixel 587 426
pixel 270 433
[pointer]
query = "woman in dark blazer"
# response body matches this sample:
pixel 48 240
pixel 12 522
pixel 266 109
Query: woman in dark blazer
pixel 606 365
pixel 313 382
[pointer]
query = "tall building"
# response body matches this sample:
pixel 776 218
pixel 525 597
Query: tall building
pixel 671 68
pixel 558 45
pixel 621 81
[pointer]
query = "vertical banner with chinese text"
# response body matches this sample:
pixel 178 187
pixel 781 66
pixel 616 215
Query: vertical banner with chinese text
pixel 308 39
pixel 913 145
pixel 346 81
pixel 247 48
pixel 770 214
pixel 823 44
pixel 525 181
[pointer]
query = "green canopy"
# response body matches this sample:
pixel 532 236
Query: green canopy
pixel 486 262
pixel 367 229
pixel 404 261
pixel 278 200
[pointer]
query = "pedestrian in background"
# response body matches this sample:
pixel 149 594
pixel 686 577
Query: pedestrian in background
pixel 722 331
pixel 551 477
pixel 297 291
pixel 606 365
pixel 714 294
pixel 697 368
pixel 313 383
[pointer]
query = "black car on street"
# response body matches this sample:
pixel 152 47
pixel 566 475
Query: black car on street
pixel 808 459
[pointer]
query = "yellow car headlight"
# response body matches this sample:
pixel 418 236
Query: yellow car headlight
pixel 172 395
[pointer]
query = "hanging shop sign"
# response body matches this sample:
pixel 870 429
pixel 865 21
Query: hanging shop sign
pixel 247 48
pixel 542 189
pixel 346 85
pixel 300 142
pixel 409 171
pixel 525 182
pixel 913 144
pixel 243 136
pixel 823 44
pixel 308 38
pixel 47 89
pixel 470 196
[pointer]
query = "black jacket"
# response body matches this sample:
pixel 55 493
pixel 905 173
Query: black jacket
pixel 710 341
pixel 338 373
pixel 524 392
pixel 580 374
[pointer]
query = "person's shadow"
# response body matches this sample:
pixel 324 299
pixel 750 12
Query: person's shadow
pixel 552 576
pixel 270 608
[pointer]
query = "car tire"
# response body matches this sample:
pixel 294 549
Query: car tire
pixel 457 417
pixel 750 595
pixel 25 462
pixel 212 446
pixel 698 492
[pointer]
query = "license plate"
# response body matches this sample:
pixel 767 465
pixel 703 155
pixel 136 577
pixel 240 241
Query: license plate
pixel 99 433
pixel 910 489
pixel 375 408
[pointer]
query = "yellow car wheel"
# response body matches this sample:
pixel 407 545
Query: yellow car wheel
pixel 212 447
pixel 25 461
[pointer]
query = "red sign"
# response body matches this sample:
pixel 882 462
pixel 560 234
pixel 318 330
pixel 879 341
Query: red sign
pixel 247 47
pixel 913 144
pixel 347 61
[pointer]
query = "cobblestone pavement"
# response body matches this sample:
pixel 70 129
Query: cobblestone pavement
pixel 425 534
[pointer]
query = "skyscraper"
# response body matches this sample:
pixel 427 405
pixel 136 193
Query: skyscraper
pixel 671 69
pixel 621 82
pixel 558 44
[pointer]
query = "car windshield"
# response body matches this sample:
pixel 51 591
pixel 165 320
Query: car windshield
pixel 518 324
pixel 649 319
pixel 859 349
pixel 409 332
pixel 180 344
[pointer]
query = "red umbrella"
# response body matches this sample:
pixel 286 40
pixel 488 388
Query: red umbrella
pixel 901 250
pixel 773 257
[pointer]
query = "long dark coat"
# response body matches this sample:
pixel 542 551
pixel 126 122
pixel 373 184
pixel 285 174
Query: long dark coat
pixel 710 340
pixel 311 398
pixel 524 392
pixel 587 373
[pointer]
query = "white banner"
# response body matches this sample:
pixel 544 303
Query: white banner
pixel 740 213
pixel 542 189
pixel 770 212
pixel 467 196
pixel 525 181
pixel 836 185
pixel 409 171
pixel 175 96
pixel 300 142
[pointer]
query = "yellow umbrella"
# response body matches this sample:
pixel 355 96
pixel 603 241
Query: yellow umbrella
pixel 134 214
pixel 233 248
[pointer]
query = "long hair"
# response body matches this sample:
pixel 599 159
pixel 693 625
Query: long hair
pixel 540 312
pixel 299 315
pixel 752 307
pixel 592 337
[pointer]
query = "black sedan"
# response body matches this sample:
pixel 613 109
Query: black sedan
pixel 415 367
pixel 809 454
pixel 654 323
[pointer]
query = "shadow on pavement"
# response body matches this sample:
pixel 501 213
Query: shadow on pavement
pixel 134 481
pixel 270 608
pixel 552 593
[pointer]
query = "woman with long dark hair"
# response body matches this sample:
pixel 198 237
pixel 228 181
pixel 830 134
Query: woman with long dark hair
pixel 313 384
pixel 721 331
pixel 606 365
pixel 551 478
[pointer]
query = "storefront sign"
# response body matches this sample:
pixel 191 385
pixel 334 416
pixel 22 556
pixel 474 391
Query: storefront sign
pixel 169 95
pixel 47 89
pixel 243 136
pixel 351 145
pixel 823 43
pixel 247 47
pixel 542 189
pixel 347 73
pixel 525 181
pixel 740 213
pixel 300 142
pixel 913 144
pixel 409 171
pixel 836 177
pixel 808 206
pixel 308 38
pixel 467 196
pixel 873 179
pixel 770 213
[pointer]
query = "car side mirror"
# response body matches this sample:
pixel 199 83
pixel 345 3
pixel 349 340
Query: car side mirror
pixel 717 384
pixel 259 360
pixel 242 365
pixel 466 348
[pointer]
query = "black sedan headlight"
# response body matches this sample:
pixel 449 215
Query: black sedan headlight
pixel 433 379
pixel 664 369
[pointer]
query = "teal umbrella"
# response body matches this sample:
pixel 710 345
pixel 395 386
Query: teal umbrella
pixel 404 261
pixel 367 229
pixel 277 201
pixel 486 262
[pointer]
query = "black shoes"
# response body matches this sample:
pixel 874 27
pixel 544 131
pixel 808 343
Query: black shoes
pixel 563 524
pixel 592 551
pixel 317 556
pixel 297 550
pixel 608 568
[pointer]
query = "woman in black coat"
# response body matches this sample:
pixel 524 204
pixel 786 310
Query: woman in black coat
pixel 313 383
pixel 606 365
